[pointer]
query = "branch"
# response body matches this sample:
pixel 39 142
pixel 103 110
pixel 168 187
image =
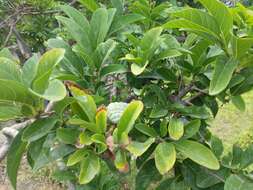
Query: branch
pixel 22 45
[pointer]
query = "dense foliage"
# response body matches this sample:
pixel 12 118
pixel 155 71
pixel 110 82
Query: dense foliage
pixel 133 86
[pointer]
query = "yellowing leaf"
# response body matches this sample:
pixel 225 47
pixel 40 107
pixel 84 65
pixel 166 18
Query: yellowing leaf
pixel 101 119
pixel 165 157
pixel 137 148
pixel 176 128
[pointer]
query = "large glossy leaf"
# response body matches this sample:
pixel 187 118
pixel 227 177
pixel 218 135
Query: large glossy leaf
pixel 71 62
pixel 206 178
pixel 238 102
pixel 165 157
pixel 236 182
pixel 124 21
pixel 76 15
pixel 85 101
pixel 145 129
pixel 192 27
pixel 138 148
pixel 201 18
pixel 14 157
pixel 81 36
pixel 198 153
pixel 9 70
pixel 222 75
pixel 38 129
pixel 87 125
pixel 29 70
pixel 55 91
pixel 89 4
pixel 13 92
pixel 102 52
pixel 67 135
pixel 77 156
pixel 223 17
pixel 176 128
pixel 113 69
pixel 8 111
pixel 240 46
pixel 100 24
pixel 129 116
pixel 45 68
pixel 89 169
pixel 191 128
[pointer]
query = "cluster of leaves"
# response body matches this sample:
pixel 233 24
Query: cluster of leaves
pixel 177 77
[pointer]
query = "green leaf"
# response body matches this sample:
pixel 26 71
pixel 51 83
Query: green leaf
pixel 147 175
pixel 238 102
pixel 38 129
pixel 130 114
pixel 236 182
pixel 222 75
pixel 119 5
pixel 55 91
pixel 89 169
pixel 9 70
pixel 29 70
pixel 102 52
pixel 198 153
pixel 164 127
pixel 201 18
pixel 223 17
pixel 145 129
pixel 14 92
pixel 113 69
pixel 199 112
pixel 87 125
pixel 191 128
pixel 85 101
pixel 100 24
pixel 150 42
pixel 63 175
pixel 47 63
pixel 71 62
pixel 8 111
pixel 240 46
pixel 60 106
pixel 158 111
pixel 176 128
pixel 14 157
pixel 85 138
pixel 67 135
pixel 137 148
pixel 77 156
pixel 89 4
pixel 123 21
pixel 196 21
pixel 101 119
pixel 165 157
